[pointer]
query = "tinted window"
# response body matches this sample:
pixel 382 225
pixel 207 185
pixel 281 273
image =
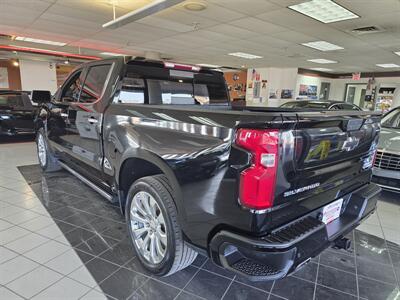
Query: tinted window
pixel 170 92
pixel 72 89
pixel 11 100
pixel 94 83
pixel 132 91
pixel 186 92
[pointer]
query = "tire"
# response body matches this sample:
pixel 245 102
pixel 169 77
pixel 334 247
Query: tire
pixel 178 255
pixel 47 161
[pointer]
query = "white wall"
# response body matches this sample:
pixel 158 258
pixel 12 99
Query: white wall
pixel 311 80
pixel 38 75
pixel 339 85
pixel 277 79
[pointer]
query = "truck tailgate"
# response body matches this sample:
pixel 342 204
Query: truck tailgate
pixel 325 157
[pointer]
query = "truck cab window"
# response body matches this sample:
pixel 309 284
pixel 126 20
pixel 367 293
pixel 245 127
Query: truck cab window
pixel 132 91
pixel 170 92
pixel 72 89
pixel 94 83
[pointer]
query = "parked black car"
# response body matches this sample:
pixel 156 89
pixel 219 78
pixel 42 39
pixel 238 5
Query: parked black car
pixel 258 190
pixel 317 104
pixel 16 113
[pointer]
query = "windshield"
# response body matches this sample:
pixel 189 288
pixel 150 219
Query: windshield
pixel 11 100
pixel 392 119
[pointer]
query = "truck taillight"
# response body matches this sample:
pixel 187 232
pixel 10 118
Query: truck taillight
pixel 257 182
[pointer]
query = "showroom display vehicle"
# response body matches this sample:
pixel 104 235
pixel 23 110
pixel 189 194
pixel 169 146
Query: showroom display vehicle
pixel 16 113
pixel 259 190
pixel 318 104
pixel 386 169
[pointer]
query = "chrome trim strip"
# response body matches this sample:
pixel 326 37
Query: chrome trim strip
pixel 388 187
pixel 87 182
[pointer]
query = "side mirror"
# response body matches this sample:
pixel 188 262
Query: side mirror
pixel 39 96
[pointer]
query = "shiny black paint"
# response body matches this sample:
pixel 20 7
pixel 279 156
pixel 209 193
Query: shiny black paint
pixel 194 147
pixel 17 120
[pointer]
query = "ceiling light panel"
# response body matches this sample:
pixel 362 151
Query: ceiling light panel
pixel 322 61
pixel 245 55
pixel 388 65
pixel 325 11
pixel 209 66
pixel 39 41
pixel 111 54
pixel 322 69
pixel 323 46
pixel 397 53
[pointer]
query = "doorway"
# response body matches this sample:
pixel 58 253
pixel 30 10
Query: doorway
pixel 325 88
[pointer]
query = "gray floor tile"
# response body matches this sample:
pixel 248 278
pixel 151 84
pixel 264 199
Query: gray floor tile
pixel 12 234
pixel 66 289
pixel 14 268
pixel 6 254
pixel 47 251
pixel 94 295
pixel 6 294
pixel 33 282
pixel 66 262
pixel 27 242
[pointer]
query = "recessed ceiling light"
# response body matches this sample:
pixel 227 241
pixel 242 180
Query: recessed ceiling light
pixel 209 66
pixel 388 65
pixel 397 53
pixel 322 69
pixel 322 46
pixel 38 41
pixel 195 5
pixel 15 63
pixel 322 61
pixel 245 55
pixel 111 54
pixel 325 11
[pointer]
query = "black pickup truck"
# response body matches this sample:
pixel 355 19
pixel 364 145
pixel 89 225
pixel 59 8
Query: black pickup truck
pixel 259 190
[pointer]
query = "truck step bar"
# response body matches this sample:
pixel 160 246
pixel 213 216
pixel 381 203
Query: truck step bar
pixel 103 193
pixel 253 268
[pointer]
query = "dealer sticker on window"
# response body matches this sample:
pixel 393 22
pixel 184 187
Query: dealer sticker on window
pixel 332 211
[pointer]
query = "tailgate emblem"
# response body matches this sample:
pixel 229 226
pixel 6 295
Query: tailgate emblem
pixel 351 143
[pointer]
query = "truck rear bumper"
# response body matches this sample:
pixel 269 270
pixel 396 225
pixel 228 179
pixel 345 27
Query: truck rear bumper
pixel 288 248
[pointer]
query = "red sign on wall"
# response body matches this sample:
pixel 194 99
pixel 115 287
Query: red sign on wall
pixel 356 76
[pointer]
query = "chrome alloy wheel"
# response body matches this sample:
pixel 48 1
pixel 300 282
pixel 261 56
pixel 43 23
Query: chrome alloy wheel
pixel 41 148
pixel 148 227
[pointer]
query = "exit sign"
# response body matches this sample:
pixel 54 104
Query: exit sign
pixel 356 76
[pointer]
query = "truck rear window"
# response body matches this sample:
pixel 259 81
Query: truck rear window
pixel 174 88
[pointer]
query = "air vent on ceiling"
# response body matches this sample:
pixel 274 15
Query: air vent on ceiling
pixel 367 29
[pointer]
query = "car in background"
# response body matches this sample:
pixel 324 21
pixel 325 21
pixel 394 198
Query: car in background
pixel 16 113
pixel 315 104
pixel 386 169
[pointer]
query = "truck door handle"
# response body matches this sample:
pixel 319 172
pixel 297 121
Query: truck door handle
pixel 92 120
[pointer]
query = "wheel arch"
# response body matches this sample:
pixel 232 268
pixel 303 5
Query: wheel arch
pixel 136 164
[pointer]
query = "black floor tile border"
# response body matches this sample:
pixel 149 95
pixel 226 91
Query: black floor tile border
pixel 201 271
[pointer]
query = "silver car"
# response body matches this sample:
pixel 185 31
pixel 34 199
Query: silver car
pixel 387 163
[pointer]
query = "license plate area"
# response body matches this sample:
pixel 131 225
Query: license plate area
pixel 332 211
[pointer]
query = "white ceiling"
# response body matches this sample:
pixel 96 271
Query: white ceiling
pixel 262 27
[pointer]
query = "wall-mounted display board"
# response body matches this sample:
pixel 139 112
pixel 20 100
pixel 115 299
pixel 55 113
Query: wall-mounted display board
pixel 4 78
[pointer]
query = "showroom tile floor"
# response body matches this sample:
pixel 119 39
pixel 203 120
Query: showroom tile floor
pixel 61 240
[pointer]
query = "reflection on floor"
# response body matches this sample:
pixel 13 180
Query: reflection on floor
pixel 60 238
